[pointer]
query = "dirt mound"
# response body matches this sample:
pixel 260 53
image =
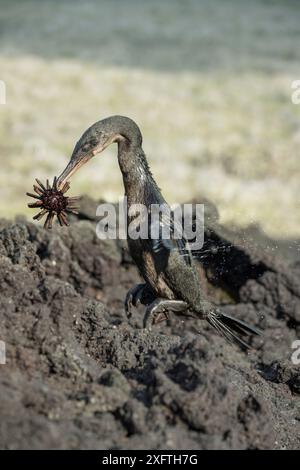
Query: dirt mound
pixel 80 375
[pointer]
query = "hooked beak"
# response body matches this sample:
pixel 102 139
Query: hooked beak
pixel 78 161
pixel 71 168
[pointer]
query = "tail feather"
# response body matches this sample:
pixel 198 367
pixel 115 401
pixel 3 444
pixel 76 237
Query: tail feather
pixel 231 328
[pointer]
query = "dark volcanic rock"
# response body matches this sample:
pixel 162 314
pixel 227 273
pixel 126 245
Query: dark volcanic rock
pixel 80 375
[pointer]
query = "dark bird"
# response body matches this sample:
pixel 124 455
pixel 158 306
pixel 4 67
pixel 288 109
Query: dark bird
pixel 168 269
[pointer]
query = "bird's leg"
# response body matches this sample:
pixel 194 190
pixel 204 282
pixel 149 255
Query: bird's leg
pixel 159 310
pixel 133 298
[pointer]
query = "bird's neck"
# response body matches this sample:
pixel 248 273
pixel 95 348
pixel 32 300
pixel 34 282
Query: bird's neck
pixel 140 186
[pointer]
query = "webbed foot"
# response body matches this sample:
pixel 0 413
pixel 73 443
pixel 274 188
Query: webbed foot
pixel 159 309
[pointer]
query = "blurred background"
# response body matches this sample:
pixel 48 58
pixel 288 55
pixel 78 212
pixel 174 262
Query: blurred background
pixel 208 82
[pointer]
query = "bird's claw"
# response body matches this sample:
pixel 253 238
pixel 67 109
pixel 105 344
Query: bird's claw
pixel 133 298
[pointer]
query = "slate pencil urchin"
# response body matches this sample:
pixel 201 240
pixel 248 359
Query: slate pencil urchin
pixel 52 201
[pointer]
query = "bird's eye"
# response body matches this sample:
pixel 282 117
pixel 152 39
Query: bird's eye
pixel 93 142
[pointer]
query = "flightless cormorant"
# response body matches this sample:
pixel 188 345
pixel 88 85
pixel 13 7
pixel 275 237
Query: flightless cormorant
pixel 169 272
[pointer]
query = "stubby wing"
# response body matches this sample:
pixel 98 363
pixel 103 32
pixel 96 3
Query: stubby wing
pixel 166 234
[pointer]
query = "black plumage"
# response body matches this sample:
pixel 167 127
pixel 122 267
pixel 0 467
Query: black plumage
pixel 167 266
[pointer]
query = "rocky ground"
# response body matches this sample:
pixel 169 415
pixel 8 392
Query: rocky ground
pixel 80 375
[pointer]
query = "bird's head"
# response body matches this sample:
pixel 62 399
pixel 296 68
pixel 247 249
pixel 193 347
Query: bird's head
pixel 92 142
pixel 96 139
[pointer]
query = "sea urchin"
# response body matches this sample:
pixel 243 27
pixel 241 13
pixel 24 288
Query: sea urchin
pixel 52 201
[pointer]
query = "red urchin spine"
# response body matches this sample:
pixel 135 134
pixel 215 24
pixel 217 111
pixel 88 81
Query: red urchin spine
pixel 52 201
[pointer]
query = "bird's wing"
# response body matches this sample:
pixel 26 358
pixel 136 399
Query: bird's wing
pixel 169 236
